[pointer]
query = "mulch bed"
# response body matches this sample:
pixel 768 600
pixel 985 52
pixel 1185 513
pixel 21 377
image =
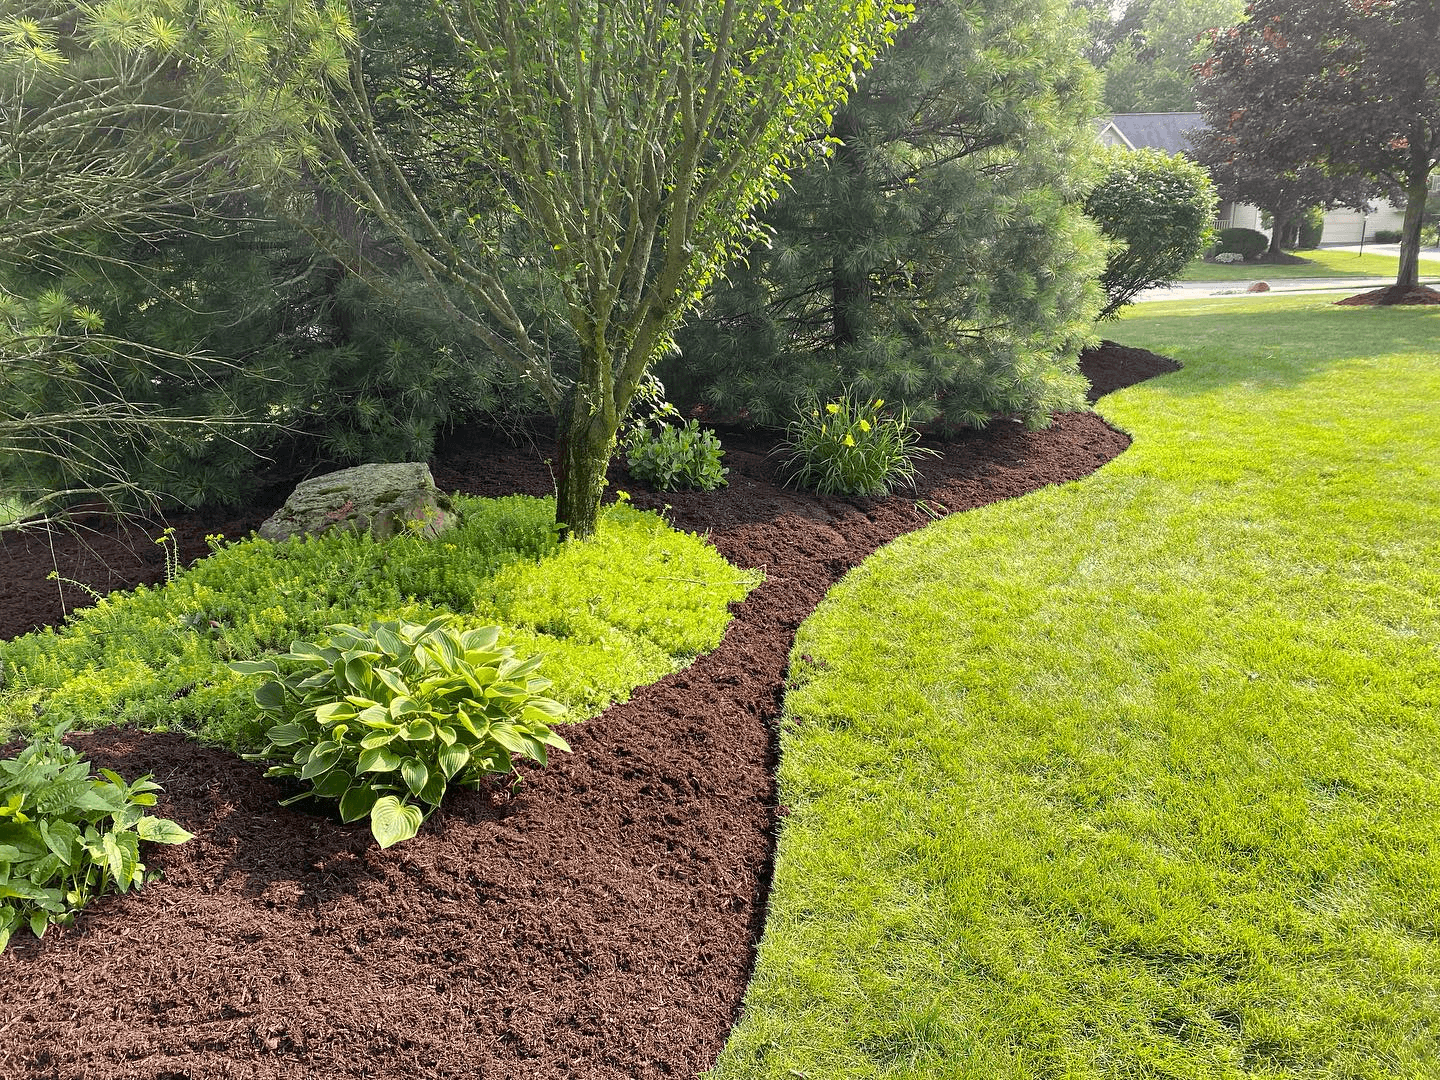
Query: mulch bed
pixel 1393 295
pixel 596 919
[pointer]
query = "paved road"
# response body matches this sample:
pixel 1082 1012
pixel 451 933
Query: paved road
pixel 1196 290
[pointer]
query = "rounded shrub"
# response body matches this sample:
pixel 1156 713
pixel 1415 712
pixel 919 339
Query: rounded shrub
pixel 676 458
pixel 1312 228
pixel 1387 236
pixel 1246 242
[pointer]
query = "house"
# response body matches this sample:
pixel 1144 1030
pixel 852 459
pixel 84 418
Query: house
pixel 1166 131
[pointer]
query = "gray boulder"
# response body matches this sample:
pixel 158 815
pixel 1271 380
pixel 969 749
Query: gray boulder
pixel 379 499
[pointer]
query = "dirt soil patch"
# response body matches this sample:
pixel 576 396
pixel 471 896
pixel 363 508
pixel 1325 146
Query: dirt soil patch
pixel 598 918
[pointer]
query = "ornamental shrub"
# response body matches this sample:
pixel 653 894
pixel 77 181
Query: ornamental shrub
pixel 683 458
pixel 850 448
pixel 1388 236
pixel 380 717
pixel 1312 228
pixel 1157 210
pixel 1246 242
pixel 67 836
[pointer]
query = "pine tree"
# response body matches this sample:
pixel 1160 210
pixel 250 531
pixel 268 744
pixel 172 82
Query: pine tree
pixel 937 257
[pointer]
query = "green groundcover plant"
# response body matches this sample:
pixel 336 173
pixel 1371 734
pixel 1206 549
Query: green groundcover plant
pixel 66 836
pixel 849 447
pixel 650 599
pixel 384 718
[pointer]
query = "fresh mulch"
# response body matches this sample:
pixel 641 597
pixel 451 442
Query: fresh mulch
pixel 596 918
pixel 1393 295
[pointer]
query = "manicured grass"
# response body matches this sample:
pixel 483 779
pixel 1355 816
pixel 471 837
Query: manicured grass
pixel 638 601
pixel 1322 263
pixel 1138 776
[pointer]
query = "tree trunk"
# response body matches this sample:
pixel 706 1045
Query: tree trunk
pixel 849 287
pixel 1280 227
pixel 586 442
pixel 1415 192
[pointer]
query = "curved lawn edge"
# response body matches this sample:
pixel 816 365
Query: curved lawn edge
pixel 1135 776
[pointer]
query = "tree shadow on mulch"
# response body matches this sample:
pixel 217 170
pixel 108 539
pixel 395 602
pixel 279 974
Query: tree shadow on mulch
pixel 597 918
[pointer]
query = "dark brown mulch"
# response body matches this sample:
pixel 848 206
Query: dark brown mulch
pixel 1392 295
pixel 596 920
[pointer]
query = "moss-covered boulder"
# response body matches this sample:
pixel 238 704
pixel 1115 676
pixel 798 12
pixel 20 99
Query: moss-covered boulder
pixel 381 499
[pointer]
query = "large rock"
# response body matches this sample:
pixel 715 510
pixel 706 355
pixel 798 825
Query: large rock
pixel 379 499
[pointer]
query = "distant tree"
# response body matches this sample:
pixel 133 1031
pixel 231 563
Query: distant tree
pixel 938 256
pixel 1349 85
pixel 1148 48
pixel 1157 211
pixel 1253 174
pixel 605 157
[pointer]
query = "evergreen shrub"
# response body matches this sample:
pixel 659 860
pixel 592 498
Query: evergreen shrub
pixel 1246 242
pixel 1312 228
pixel 1388 236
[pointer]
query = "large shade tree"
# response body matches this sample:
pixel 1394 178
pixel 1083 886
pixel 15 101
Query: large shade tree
pixel 1350 85
pixel 612 153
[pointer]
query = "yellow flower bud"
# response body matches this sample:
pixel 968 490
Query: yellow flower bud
pixel 849 439
pixel 879 402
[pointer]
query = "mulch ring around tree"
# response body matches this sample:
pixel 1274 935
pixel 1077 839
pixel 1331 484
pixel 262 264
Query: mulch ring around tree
pixel 1392 295
pixel 596 918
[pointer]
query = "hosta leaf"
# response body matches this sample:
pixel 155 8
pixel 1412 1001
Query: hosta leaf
pixel 420 731
pixel 376 716
pixel 434 790
pixel 447 734
pixel 415 773
pixel 160 831
pixel 287 734
pixel 306 650
pixel 333 784
pixel 333 711
pixel 254 667
pixel 392 821
pixel 378 738
pixel 270 697
pixel 378 759
pixel 482 638
pixel 357 672
pixel 388 640
pixel 357 802
pixel 392 681
pixel 319 763
pixel 453 758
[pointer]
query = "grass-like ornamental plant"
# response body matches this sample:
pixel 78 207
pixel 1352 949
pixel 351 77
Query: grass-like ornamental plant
pixel 676 458
pixel 850 447
pixel 67 836
pixel 387 718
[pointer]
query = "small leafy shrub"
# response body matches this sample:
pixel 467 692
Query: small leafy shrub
pixel 1246 242
pixel 1388 236
pixel 1312 228
pixel 380 717
pixel 683 458
pixel 1229 257
pixel 66 836
pixel 1157 210
pixel 850 448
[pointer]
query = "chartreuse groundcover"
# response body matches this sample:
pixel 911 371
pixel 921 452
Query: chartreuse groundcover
pixel 1137 776
pixel 638 601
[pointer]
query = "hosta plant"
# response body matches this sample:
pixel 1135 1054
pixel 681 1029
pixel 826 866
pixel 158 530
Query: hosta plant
pixel 67 836
pixel 850 447
pixel 384 720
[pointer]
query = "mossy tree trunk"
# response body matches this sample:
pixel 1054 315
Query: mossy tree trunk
pixel 586 443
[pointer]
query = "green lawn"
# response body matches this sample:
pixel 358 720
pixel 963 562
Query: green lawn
pixel 1322 263
pixel 1139 776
